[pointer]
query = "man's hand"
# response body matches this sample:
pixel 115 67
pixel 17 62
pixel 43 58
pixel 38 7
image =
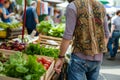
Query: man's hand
pixel 110 35
pixel 0 11
pixel 12 14
pixel 58 65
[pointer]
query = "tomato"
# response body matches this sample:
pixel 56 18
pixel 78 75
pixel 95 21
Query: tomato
pixel 46 66
pixel 39 60
pixel 45 61
pixel 48 62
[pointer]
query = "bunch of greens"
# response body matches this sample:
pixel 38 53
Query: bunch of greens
pixel 36 49
pixel 4 25
pixel 44 27
pixel 1 68
pixel 27 69
pixel 15 25
pixel 11 26
pixel 57 31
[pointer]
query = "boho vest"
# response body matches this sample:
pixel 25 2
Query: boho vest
pixel 89 35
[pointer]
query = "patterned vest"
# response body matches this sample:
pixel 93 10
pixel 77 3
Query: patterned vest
pixel 89 35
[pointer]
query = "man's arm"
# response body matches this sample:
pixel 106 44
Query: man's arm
pixel 112 29
pixel 35 16
pixel 4 14
pixel 68 34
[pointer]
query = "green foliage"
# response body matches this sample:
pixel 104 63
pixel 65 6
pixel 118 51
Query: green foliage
pixel 36 49
pixel 44 27
pixel 11 26
pixel 57 31
pixel 18 66
pixel 19 2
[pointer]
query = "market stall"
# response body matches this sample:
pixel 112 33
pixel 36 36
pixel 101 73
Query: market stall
pixel 26 56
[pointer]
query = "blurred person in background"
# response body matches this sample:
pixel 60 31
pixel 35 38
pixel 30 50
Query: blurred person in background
pixel 12 7
pixel 1 7
pixel 113 43
pixel 5 13
pixel 31 17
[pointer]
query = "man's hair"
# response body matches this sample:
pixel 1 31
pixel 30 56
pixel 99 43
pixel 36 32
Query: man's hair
pixel 70 1
pixel 117 12
pixel 6 1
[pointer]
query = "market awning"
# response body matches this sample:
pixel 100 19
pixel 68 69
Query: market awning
pixel 54 1
pixel 104 1
pixel 63 4
pixel 107 6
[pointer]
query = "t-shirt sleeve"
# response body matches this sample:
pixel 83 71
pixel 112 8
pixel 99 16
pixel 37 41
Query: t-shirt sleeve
pixel 35 13
pixel 3 11
pixel 70 22
pixel 113 21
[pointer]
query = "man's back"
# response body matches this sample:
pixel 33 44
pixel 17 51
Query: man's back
pixel 30 19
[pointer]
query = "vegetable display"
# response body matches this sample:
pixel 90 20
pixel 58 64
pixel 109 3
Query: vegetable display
pixel 41 50
pixel 11 26
pixel 57 31
pixel 45 62
pixel 44 27
pixel 18 66
pixel 12 46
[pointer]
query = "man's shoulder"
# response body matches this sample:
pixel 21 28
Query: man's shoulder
pixel 71 5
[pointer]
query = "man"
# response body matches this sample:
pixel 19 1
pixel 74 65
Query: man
pixel 31 18
pixel 114 37
pixel 86 26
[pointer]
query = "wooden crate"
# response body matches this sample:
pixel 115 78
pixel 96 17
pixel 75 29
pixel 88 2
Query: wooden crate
pixel 49 41
pixel 13 33
pixel 50 72
pixel 7 53
pixel 9 78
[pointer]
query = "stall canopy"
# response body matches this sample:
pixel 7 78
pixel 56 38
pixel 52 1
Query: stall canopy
pixel 104 1
pixel 63 4
pixel 107 6
pixel 54 1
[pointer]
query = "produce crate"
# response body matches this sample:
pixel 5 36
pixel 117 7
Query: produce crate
pixel 48 40
pixel 13 33
pixel 7 52
pixel 9 78
pixel 50 72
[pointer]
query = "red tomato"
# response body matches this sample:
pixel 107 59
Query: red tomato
pixel 45 61
pixel 48 62
pixel 39 60
pixel 46 66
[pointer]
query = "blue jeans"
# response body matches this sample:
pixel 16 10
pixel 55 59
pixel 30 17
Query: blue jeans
pixel 80 69
pixel 113 43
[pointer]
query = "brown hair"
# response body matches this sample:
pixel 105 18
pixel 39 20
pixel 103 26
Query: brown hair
pixel 117 12
pixel 6 1
pixel 70 1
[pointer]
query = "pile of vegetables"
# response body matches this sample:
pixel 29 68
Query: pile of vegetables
pixel 4 25
pixel 57 31
pixel 45 62
pixel 18 66
pixel 41 50
pixel 11 26
pixel 44 27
